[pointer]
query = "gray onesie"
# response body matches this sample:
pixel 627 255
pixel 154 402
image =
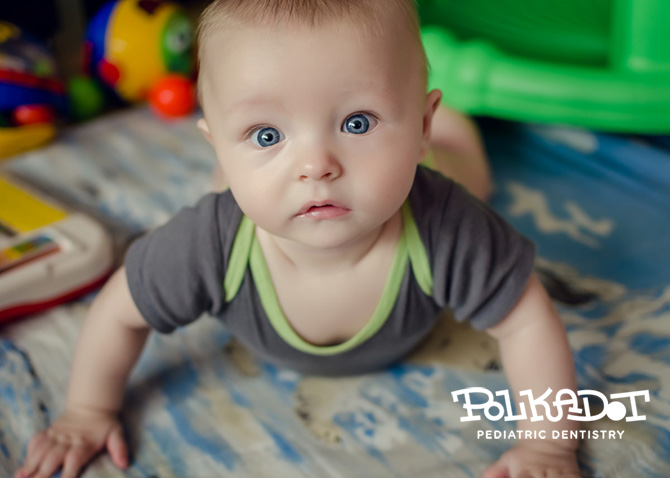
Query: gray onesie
pixel 454 252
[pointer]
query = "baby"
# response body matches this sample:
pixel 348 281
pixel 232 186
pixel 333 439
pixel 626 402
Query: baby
pixel 334 250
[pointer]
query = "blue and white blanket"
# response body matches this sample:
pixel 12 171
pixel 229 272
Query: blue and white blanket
pixel 198 405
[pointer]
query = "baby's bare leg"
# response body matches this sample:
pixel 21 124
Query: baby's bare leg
pixel 458 152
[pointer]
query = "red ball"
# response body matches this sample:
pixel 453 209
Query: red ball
pixel 33 114
pixel 173 96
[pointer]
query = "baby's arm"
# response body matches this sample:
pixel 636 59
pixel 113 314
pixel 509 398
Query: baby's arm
pixel 536 356
pixel 458 151
pixel 111 340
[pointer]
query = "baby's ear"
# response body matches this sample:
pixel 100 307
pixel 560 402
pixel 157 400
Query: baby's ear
pixel 432 102
pixel 204 129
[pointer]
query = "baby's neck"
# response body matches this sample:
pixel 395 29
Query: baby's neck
pixel 320 260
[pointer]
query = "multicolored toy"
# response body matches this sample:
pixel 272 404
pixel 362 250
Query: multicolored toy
pixel 31 96
pixel 132 44
pixel 48 254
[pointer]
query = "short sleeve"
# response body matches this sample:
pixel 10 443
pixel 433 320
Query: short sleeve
pixel 175 272
pixel 481 263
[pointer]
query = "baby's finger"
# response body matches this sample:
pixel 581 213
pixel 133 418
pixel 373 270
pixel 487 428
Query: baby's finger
pixel 563 474
pixel 117 448
pixel 497 470
pixel 51 462
pixel 38 446
pixel 75 459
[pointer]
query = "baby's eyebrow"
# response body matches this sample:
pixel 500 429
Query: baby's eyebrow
pixel 250 103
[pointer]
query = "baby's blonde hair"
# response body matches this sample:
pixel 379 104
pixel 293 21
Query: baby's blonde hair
pixel 368 13
pixel 307 12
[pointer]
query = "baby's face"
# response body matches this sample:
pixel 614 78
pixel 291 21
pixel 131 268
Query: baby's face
pixel 322 117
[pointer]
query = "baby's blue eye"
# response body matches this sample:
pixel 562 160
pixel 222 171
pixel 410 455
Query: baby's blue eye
pixel 357 124
pixel 266 137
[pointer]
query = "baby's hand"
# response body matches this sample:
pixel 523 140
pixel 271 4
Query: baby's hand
pixel 71 442
pixel 535 460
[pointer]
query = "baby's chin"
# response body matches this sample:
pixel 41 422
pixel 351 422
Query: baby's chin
pixel 324 240
pixel 324 237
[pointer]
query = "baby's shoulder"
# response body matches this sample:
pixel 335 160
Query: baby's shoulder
pixel 434 197
pixel 446 214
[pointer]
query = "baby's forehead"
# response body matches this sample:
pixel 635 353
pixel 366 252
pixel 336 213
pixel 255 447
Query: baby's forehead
pixel 236 38
pixel 253 50
pixel 401 49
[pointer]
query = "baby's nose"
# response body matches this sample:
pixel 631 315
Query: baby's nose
pixel 319 165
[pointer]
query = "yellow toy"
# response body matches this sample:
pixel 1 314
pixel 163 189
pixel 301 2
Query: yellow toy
pixel 132 44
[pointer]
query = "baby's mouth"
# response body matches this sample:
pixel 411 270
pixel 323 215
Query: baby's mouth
pixel 323 210
pixel 313 208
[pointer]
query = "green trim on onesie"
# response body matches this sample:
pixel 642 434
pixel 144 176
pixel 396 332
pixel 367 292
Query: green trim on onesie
pixel 239 258
pixel 281 325
pixel 409 248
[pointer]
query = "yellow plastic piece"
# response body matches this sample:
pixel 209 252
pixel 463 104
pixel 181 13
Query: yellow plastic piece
pixel 22 212
pixel 134 46
pixel 18 140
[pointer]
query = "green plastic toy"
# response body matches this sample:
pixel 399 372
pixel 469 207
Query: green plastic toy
pixel 601 64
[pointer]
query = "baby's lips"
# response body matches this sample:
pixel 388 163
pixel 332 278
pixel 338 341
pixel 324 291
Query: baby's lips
pixel 316 204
